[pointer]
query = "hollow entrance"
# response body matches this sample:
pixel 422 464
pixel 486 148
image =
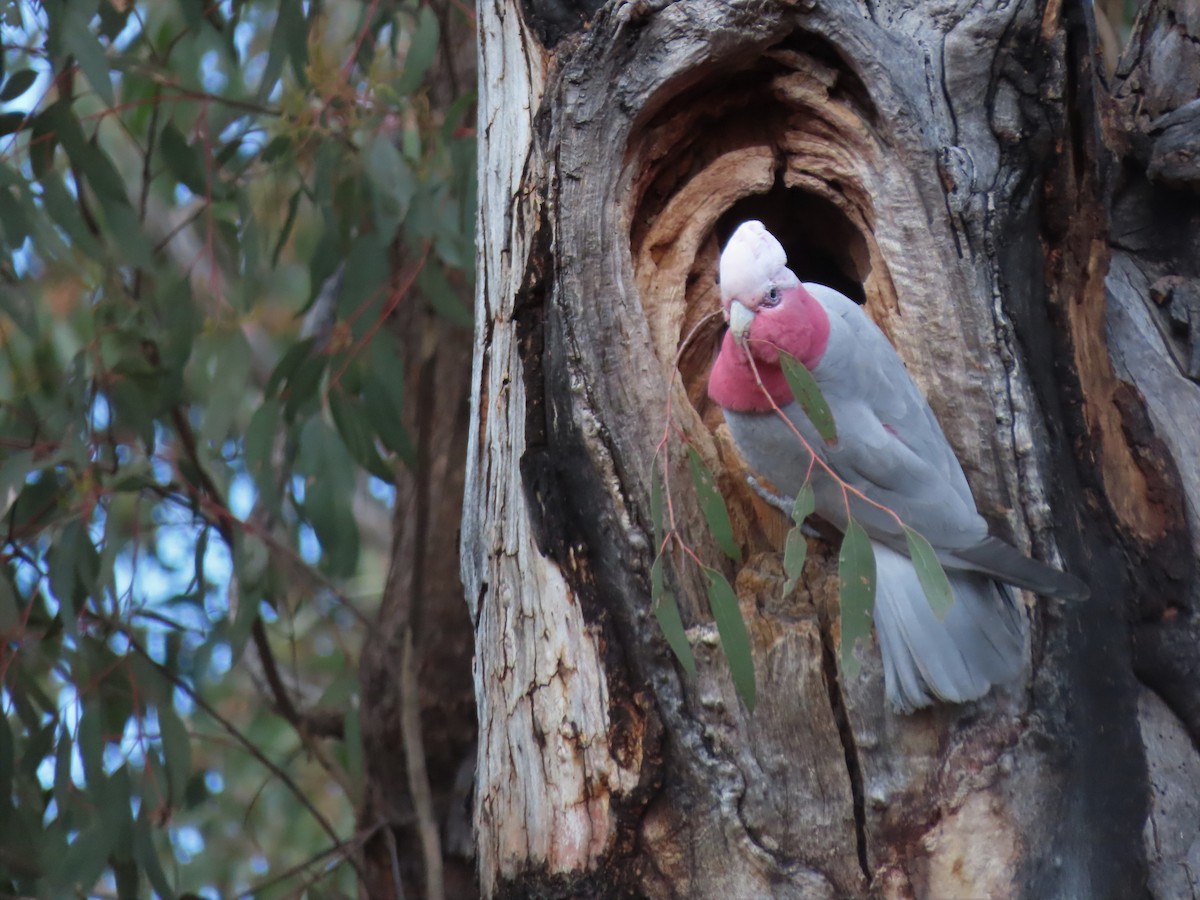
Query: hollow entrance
pixel 822 244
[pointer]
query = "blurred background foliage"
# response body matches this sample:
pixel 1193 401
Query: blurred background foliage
pixel 211 213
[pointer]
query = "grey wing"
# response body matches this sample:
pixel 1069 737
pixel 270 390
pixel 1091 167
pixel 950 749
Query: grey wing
pixel 896 454
pixel 892 448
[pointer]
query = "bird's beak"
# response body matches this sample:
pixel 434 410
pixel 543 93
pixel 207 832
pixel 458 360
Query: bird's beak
pixel 740 320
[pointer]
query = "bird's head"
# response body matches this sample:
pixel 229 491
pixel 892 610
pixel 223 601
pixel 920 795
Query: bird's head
pixel 767 307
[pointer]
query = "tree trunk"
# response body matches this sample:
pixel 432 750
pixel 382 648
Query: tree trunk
pixel 417 709
pixel 944 164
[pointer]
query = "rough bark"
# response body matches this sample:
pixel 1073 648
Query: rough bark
pixel 942 162
pixel 1153 332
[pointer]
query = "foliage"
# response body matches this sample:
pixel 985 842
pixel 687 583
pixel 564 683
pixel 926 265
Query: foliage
pixel 208 213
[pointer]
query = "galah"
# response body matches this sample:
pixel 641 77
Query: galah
pixel 890 448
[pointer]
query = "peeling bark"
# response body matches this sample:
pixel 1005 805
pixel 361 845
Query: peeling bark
pixel 946 165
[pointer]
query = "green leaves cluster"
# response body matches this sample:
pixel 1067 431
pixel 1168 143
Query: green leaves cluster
pixel 191 401
pixel 722 599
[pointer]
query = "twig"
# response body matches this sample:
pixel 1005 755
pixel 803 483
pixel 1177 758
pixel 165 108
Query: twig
pixel 394 858
pixel 248 744
pixel 282 697
pixel 358 840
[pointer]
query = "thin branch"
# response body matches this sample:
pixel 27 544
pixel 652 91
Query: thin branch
pixel 355 843
pixel 282 697
pixel 245 742
pixel 394 859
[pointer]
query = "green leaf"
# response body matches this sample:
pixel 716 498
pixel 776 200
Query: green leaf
pixel 657 506
pixel 259 444
pixel 10 122
pixel 177 750
pixel 288 40
pixel 246 613
pixel 713 506
pixel 10 610
pixel 735 640
pixel 286 368
pixel 87 49
pixel 147 856
pixel 63 209
pixel 184 161
pixel 116 812
pixel 43 143
pixel 796 549
pixel 856 572
pixel 278 146
pixel 13 472
pixel 90 738
pixel 87 856
pixel 804 504
pixel 62 771
pixel 353 424
pixel 127 872
pixel 392 180
pixel 667 612
pixel 329 481
pixel 933 577
pixel 288 222
pixel 74 567
pixel 365 284
pixel 17 85
pixel 421 49
pixel 223 361
pixel 808 394
pixel 8 760
pixel 442 296
pixel 383 394
pixel 125 233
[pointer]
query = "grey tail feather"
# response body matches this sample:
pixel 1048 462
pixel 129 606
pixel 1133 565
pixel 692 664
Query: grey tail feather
pixel 1006 563
pixel 980 643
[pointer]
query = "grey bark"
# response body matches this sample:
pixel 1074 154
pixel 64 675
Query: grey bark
pixel 943 162
pixel 1153 332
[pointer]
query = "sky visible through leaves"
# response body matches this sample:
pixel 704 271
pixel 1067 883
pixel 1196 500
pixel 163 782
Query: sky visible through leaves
pixel 197 445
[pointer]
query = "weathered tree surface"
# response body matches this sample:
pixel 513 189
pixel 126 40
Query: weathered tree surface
pixel 948 165
pixel 1153 123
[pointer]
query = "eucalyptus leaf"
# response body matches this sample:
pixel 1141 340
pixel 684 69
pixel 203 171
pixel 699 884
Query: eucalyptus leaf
pixel 856 572
pixel 87 50
pixel 930 572
pixel 666 610
pixel 712 504
pixel 795 551
pixel 808 394
pixel 735 639
pixel 421 49
pixel 177 750
pixel 17 84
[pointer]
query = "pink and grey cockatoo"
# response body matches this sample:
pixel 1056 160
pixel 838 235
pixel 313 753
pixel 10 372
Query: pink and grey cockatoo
pixel 890 447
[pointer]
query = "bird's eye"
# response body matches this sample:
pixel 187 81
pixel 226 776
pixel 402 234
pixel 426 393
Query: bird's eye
pixel 772 298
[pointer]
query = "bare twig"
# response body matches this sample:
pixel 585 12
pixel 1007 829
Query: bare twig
pixel 300 867
pixel 281 695
pixel 248 744
pixel 394 858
